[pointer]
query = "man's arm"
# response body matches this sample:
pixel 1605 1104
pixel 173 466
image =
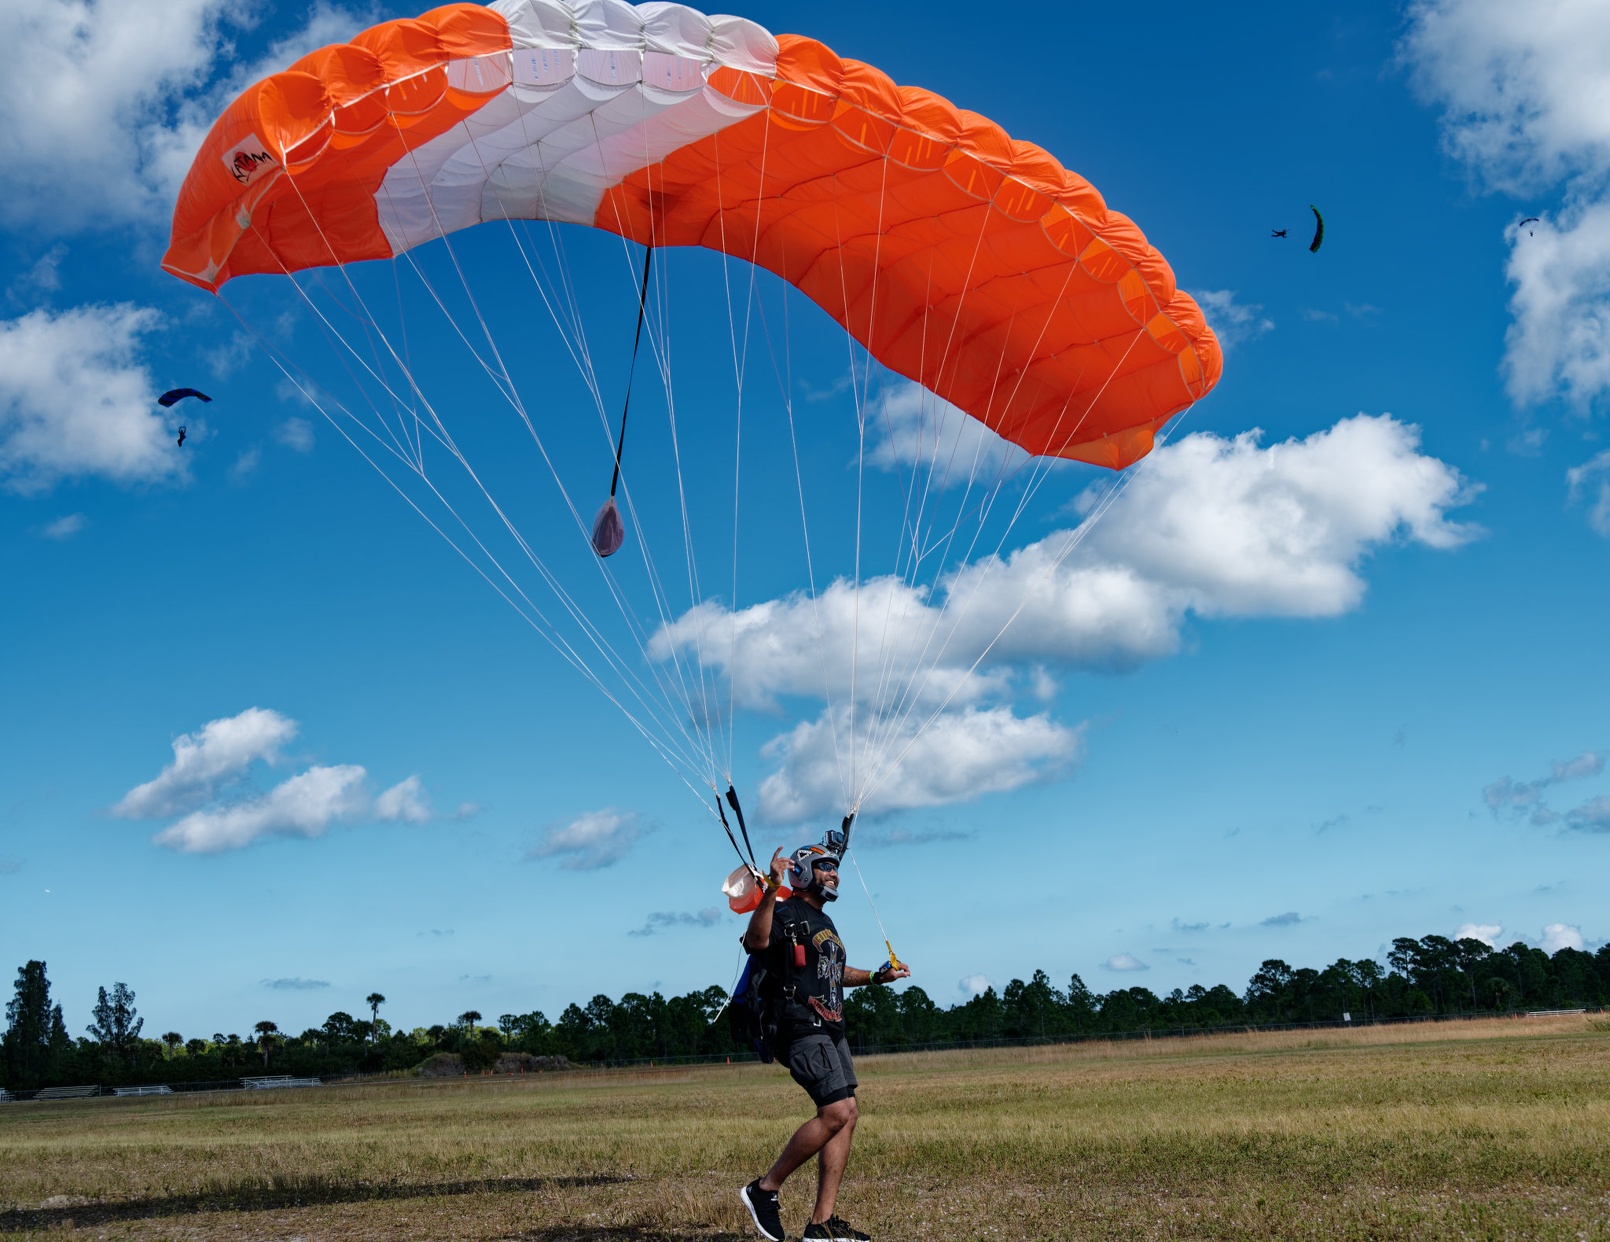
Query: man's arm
pixel 854 977
pixel 757 936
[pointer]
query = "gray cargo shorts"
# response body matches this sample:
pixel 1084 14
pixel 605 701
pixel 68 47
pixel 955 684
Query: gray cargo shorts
pixel 820 1062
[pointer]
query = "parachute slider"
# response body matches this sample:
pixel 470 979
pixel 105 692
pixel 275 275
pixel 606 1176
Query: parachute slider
pixel 609 532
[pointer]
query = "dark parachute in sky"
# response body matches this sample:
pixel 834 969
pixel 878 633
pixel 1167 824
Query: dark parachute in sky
pixel 174 395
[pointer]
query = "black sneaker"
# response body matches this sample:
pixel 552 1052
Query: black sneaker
pixel 762 1205
pixel 834 1230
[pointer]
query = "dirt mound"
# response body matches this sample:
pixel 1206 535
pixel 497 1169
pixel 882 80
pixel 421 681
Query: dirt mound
pixel 525 1063
pixel 451 1065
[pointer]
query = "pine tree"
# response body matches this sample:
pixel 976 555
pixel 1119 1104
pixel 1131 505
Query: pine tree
pixel 116 1027
pixel 34 1030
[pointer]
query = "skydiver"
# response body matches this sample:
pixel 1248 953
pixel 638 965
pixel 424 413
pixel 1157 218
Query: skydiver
pixel 804 953
pixel 1277 232
pixel 181 437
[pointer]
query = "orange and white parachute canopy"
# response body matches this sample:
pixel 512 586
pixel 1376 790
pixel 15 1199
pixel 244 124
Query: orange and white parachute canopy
pixel 959 257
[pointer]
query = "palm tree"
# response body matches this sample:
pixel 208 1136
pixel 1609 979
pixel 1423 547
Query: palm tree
pixel 265 1032
pixel 374 1000
pixel 172 1039
pixel 469 1018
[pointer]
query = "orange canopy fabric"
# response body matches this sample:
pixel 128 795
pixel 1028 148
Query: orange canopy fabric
pixel 967 261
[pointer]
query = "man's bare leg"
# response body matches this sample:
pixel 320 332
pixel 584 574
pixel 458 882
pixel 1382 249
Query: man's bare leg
pixel 831 1162
pixel 812 1137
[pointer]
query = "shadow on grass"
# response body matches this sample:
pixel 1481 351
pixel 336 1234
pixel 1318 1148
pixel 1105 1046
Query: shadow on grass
pixel 622 1234
pixel 309 1194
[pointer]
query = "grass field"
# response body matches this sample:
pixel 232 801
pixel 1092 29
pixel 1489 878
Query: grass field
pixel 1497 1129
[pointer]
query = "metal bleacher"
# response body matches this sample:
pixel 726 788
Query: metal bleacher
pixel 66 1093
pixel 279 1080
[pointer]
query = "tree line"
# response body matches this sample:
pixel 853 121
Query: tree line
pixel 1431 976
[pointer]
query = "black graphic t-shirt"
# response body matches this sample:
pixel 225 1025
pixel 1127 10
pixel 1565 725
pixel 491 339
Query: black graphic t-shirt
pixel 809 958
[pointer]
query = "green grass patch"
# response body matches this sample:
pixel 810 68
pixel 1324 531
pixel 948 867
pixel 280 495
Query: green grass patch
pixel 1495 1129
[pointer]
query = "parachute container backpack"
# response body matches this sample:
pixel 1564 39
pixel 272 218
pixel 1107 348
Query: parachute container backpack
pixel 465 232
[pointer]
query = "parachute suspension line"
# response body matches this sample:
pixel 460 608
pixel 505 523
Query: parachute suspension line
pixel 637 338
pixel 660 350
pixel 571 654
pixel 930 400
pixel 899 716
pixel 511 393
pixel 552 580
pixel 894 960
pixel 398 434
pixel 1074 539
pixel 536 619
pixel 414 454
pixel 858 395
pixel 598 640
pixel 786 384
pixel 740 366
pixel 871 334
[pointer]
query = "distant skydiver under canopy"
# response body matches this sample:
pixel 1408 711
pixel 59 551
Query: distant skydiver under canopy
pixel 1525 222
pixel 182 434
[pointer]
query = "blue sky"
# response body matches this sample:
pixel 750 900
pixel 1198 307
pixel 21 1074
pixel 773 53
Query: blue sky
pixel 1328 671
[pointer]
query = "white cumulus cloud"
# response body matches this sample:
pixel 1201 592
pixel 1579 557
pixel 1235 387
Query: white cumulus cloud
pixel 911 429
pixel 961 756
pixel 304 805
pixel 1591 481
pixel 1206 526
pixel 974 985
pixel 1125 961
pixel 207 790
pixel 1487 933
pixel 102 113
pixel 404 803
pixel 204 762
pixel 1524 92
pixel 591 841
pixel 1525 88
pixel 1557 936
pixel 75 400
pixel 1232 322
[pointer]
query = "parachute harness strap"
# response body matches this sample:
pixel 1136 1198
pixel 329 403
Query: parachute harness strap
pixel 722 816
pixel 642 304
pixel 732 801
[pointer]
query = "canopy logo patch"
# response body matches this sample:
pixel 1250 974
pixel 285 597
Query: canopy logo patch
pixel 248 159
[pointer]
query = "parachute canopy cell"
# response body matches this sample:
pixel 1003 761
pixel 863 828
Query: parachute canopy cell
pixel 972 263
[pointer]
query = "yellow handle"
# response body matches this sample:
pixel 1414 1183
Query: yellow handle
pixel 893 960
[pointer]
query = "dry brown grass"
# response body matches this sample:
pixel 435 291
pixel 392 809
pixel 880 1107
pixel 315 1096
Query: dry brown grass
pixel 1489 1130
